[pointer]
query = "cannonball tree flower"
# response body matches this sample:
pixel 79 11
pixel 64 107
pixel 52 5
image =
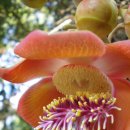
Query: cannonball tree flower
pixel 98 16
pixel 34 3
pixel 82 79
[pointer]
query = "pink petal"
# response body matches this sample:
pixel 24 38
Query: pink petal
pixel 40 45
pixel 128 125
pixel 116 61
pixel 30 69
pixel 31 103
pixel 122 94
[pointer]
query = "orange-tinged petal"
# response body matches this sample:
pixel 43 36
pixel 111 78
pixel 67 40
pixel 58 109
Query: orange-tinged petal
pixel 128 125
pixel 30 69
pixel 116 61
pixel 40 45
pixel 122 94
pixel 31 103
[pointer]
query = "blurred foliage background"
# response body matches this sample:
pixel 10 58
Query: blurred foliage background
pixel 16 21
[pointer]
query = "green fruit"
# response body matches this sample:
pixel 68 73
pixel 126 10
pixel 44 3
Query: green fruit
pixel 127 22
pixel 34 3
pixel 98 16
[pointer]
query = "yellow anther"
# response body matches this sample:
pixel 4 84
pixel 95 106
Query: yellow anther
pixel 44 117
pixel 103 101
pixel 44 108
pixel 51 117
pixel 72 100
pixel 82 98
pixel 73 119
pixel 92 110
pixel 85 103
pixel 114 100
pixel 78 113
pixel 91 99
pixel 96 100
pixel 80 104
pixel 50 114
pixel 109 102
pixel 49 106
pixel 73 110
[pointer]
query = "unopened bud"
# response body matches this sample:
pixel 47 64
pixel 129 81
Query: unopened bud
pixel 98 16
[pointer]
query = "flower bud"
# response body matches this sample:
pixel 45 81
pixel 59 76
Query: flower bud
pixel 98 16
pixel 34 3
pixel 127 22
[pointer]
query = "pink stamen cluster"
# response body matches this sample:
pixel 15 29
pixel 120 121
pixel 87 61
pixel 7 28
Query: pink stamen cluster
pixel 78 113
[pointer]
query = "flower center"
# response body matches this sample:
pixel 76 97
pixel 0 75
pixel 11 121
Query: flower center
pixel 78 112
pixel 72 78
pixel 89 102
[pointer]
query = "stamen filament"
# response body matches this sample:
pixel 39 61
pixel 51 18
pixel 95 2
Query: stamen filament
pixel 78 112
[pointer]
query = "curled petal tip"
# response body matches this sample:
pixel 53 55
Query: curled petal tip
pixel 30 69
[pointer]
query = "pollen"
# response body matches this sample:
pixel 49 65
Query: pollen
pixel 87 111
pixel 72 78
